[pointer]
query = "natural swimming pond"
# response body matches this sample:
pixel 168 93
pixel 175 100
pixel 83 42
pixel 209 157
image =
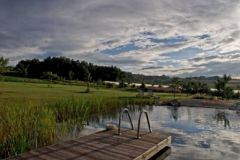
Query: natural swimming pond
pixel 197 133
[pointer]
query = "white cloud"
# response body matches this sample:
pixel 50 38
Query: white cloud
pixel 82 29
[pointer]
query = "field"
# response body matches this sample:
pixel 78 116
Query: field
pixel 40 113
pixel 19 93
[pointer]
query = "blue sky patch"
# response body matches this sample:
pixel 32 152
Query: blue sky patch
pixel 121 49
pixel 169 41
pixel 183 53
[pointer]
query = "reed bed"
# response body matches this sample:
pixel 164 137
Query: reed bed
pixel 26 127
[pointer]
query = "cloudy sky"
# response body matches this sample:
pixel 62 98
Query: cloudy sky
pixel 153 37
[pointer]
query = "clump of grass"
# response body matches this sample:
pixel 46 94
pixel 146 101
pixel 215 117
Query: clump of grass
pixel 80 109
pixel 25 127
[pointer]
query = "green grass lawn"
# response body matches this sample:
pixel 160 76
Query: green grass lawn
pixel 36 93
pixel 19 92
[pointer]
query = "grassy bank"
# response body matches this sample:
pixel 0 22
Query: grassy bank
pixel 34 115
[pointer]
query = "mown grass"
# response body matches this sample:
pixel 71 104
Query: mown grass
pixel 34 115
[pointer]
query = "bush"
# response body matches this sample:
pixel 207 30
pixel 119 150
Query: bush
pixel 228 93
pixel 99 82
pixel 222 89
pixel 50 76
pixel 3 64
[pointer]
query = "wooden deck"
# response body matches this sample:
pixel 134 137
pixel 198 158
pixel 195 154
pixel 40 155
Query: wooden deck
pixel 106 145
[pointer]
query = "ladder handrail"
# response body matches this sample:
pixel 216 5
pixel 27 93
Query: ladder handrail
pixel 120 119
pixel 139 122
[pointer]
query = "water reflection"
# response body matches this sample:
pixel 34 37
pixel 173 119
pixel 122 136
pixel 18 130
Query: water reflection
pixel 221 117
pixel 174 112
pixel 197 133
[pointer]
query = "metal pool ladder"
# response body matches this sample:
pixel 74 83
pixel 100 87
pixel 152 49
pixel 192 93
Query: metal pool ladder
pixel 125 110
pixel 139 123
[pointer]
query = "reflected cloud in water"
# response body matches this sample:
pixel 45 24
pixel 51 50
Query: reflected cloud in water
pixel 197 133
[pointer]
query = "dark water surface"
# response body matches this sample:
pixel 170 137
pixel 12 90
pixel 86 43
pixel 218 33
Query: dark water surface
pixel 197 133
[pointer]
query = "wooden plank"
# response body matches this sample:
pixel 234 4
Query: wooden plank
pixel 106 145
pixel 155 149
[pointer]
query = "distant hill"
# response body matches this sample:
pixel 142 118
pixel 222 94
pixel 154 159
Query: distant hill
pixel 138 78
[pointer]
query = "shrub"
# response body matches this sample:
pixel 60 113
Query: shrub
pixel 50 76
pixel 3 64
pixel 227 93
pixel 222 89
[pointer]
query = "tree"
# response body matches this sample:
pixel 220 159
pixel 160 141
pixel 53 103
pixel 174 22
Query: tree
pixel 143 86
pixel 22 69
pixel 175 84
pixel 3 64
pixel 228 93
pixel 193 87
pixel 204 88
pixel 71 75
pixel 222 89
pixel 187 87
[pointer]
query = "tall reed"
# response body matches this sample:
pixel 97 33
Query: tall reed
pixel 25 127
pixel 28 127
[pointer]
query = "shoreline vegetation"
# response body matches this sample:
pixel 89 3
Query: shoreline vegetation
pixel 206 103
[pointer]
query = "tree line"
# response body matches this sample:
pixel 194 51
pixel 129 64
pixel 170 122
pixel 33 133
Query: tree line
pixel 191 87
pixel 68 69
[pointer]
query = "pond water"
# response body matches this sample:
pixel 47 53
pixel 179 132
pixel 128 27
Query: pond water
pixel 197 133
